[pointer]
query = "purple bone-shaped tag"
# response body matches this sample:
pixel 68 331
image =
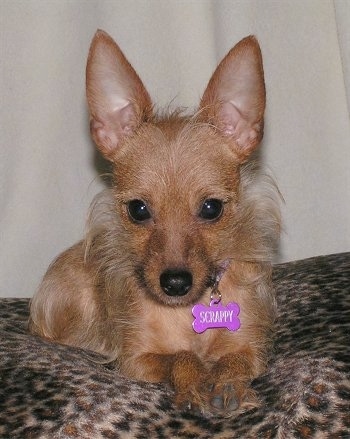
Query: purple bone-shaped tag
pixel 216 316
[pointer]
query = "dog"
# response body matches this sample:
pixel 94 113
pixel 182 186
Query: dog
pixel 172 281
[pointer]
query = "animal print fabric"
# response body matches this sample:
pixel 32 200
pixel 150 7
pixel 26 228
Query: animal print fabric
pixel 52 391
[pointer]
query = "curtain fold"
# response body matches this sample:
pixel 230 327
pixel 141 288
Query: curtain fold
pixel 342 12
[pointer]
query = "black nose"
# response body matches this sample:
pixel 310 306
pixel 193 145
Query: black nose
pixel 176 282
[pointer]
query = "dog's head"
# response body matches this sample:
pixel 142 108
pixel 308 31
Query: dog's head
pixel 178 180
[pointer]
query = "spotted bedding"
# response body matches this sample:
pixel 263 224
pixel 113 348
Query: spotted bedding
pixel 52 391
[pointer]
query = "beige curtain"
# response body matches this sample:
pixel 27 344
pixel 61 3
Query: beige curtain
pixel 48 172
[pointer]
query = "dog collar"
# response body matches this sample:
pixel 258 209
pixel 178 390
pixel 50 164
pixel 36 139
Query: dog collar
pixel 216 315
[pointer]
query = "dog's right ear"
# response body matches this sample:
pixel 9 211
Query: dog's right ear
pixel 117 99
pixel 234 100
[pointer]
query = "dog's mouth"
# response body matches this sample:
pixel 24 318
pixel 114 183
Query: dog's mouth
pixel 177 286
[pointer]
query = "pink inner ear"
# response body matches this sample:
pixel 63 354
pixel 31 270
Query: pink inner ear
pixel 233 123
pixel 229 117
pixel 109 129
pixel 126 118
pixel 104 137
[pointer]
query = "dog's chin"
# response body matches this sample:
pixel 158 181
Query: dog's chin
pixel 189 299
pixel 178 301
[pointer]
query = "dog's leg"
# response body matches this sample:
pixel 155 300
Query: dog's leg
pixel 183 370
pixel 65 308
pixel 222 390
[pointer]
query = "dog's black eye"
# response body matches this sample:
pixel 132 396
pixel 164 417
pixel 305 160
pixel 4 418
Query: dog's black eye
pixel 211 209
pixel 138 211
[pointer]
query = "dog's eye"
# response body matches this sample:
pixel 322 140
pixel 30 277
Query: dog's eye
pixel 138 211
pixel 211 209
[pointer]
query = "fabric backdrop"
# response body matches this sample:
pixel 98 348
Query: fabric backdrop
pixel 48 168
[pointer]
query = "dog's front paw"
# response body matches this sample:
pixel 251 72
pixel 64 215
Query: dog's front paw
pixel 223 397
pixel 228 397
pixel 191 401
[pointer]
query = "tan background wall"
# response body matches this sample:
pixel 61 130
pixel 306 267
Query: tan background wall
pixel 47 171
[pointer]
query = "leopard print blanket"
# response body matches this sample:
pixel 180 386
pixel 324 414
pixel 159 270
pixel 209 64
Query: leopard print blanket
pixel 51 391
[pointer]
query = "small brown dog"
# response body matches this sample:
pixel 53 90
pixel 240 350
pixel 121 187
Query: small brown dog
pixel 189 214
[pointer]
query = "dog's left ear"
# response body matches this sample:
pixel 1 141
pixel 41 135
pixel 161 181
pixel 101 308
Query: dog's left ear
pixel 118 100
pixel 234 100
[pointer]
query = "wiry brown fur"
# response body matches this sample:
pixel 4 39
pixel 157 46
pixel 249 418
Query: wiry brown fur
pixel 104 293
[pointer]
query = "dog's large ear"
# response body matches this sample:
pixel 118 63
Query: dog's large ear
pixel 234 101
pixel 118 101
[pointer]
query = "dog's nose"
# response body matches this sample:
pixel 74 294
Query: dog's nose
pixel 176 282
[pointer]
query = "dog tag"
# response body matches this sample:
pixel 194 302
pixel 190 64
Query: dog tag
pixel 216 316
